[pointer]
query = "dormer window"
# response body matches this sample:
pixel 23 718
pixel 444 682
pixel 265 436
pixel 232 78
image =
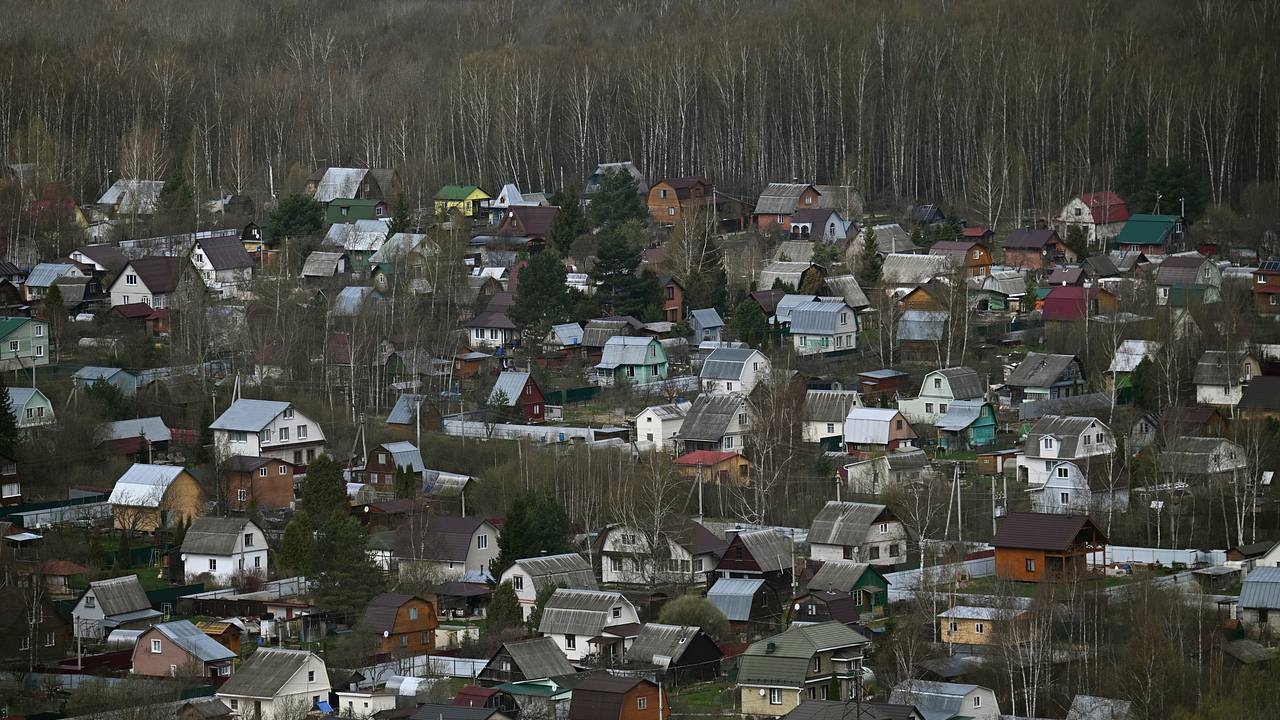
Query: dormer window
pixel 1048 443
pixel 937 383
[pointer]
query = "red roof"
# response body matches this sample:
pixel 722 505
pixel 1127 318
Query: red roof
pixel 1067 302
pixel 474 696
pixel 704 458
pixel 62 568
pixel 1106 206
pixel 133 311
pixel 975 232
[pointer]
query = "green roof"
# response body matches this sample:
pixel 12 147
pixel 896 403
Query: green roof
pixel 1147 230
pixel 1043 292
pixel 351 202
pixel 456 192
pixel 9 324
pixel 787 664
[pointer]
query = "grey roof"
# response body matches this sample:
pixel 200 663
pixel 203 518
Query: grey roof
pixel 1101 266
pixel 44 274
pixel 817 318
pixel 784 659
pixel 265 672
pixel 846 286
pixel 980 613
pixel 405 454
pixel 193 640
pixel 670 411
pixel 406 405
pixel 1089 707
pixel 838 710
pixel 208 707
pixel 449 537
pixel 249 415
pixel 598 332
pixel 922 325
pixel 1066 428
pixel 401 244
pixel 569 569
pixel 321 264
pixel 1202 456
pixel 890 238
pixel 667 640
pixel 351 300
pixel 789 273
pixel 1180 269
pixel 769 548
pixel 961 414
pixel 1009 283
pixel 119 596
pixel 339 183
pixel 733 596
pixel 437 483
pixel 780 198
pixel 622 350
pixel 1040 369
pixel 829 405
pixel 359 236
pixel 726 363
pixel 839 575
pixel 902 270
pixel 538 658
pixel 1089 402
pixel 794 251
pixel 709 417
pixel 445 711
pixel 578 612
pixel 706 318
pixel 152 428
pixel 844 523
pixel 1132 352
pixel 567 333
pixel 1220 367
pixel 788 303
pixel 214 535
pixel 907 459
pixel 865 425
pixel 965 382
pixel 934 700
pixel 133 195
pixel 511 384
pixel 144 485
pixel 225 253
pixel 1261 589
pixel 1248 651
pixel 20 396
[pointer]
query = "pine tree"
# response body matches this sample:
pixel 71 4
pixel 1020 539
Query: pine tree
pixel 406 483
pixel 504 611
pixel 323 490
pixel 295 550
pixel 294 216
pixel 615 269
pixel 569 223
pixel 1131 168
pixel 55 313
pixel 345 577
pixel 8 423
pixel 542 298
pixel 617 201
pixel 401 220
pixel 176 204
pixel 535 525
pixel 750 323
pixel 540 604
pixel 870 264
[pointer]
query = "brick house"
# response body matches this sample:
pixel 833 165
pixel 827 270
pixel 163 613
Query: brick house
pixel 404 623
pixel 266 481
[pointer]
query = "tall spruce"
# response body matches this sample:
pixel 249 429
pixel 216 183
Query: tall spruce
pixel 870 264
pixel 617 201
pixel 569 222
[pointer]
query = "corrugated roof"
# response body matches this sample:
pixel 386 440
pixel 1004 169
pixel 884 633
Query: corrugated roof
pixel 840 575
pixel 961 414
pixel 1040 369
pixel 844 523
pixel 780 198
pixel 1065 428
pixel 579 612
pixel 130 196
pixel 567 333
pixel 901 270
pixel 667 640
pixel 1202 456
pixel 511 384
pixel 846 286
pixel 401 244
pixel 225 253
pixel 934 700
pixel 360 236
pixel 1029 239
pixel 119 596
pixel 144 485
pixel 890 238
pixel 790 273
pixel 965 382
pixel 733 597
pixel 706 318
pixel 1044 531
pixel 1131 353
pixel 246 415
pixel 817 318
pixel 1089 707
pixel 405 454
pixel 869 426
pixel 794 251
pixel 152 428
pixel 339 183
pixel 1221 367
pixel 44 274
pixel 1181 269
pixel 784 659
pixel 193 640
pixel 265 673
pixel 1147 230
pixel 1089 402
pixel 322 264
pixel 922 325
pixel 788 303
pixel 538 658
pixel 621 350
pixel 769 548
pixel 214 535
pixel 403 411
pixel 568 569
pixel 728 363
pixel 830 405
pixel 352 299
pixel 709 417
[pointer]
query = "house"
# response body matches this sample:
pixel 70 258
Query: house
pixel 1044 376
pixel 1072 303
pixel 32 630
pixel 809 662
pixel 383 463
pixel 819 224
pixel 322 264
pixel 681 554
pixel 564 336
pixel 1041 547
pixel 1035 249
pixel 335 183
pixel 944 700
pixel 1098 483
pixel 1266 288
pixel 23 343
pixel 971 255
pixel 1221 377
pixel 903 272
pixel 1066 275
pixel 833 710
pixel 118 603
pixel 866 587
pixel 610 697
pixel 224 548
pixel 714 422
pixel 763 554
pixel 45 275
pixel 672 299
pixel 1188 279
pixel 926 215
pixel 519 390
pixel 968 424
pixel 1260 601
pixel 451 549
pixel 976 628
pixel 348 210
pixel 464 199
pixel 402 264
pixel 861 532
pixel 683 653
pixel 847 287
pixel 276 684
pixel 131 197
pixel 1127 357
pixel 532 224
pixel 1151 234
pixel 144 436
pixel 149 497
pixel 632 360
pixel 1101 215
pixel 721 467
pixel 491 329
pixel 403 624
pixel 358 241
pixel 1202 460
pixel 658 424
pixel 890 239
pixel 733 370
pixel 868 430
pixel 180 649
pixel 123 380
pixel 1261 399
pixel 671 198
pixel 1001 291
pixel 824 414
pixel 885 382
pixel 906 466
pixel 795 276
pixel 819 328
pixel 529 575
pixel 592 185
pixel 264 482
pixel 267 428
pixel 921 334
pixel 747 603
pixel 524 660
pixel 590 623
pixel 779 202
pixel 706 324
pixel 508 197
pixel 150 280
pixel 436 711
pixel 224 265
pixel 31 408
pixel 938 390
pixel 1055 438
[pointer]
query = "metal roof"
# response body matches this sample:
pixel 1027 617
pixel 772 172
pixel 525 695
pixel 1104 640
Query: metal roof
pixel 784 659
pixel 214 535
pixel 934 700
pixel 728 363
pixel 1040 369
pixel 1202 456
pixel 1043 531
pixel 322 264
pixel 265 673
pixel 151 428
pixel 733 596
pixel 567 333
pixel 1221 367
pixel 902 270
pixel 1065 428
pixel 709 417
pixel 119 596
pixel 568 569
pixel 403 411
pixel 787 303
pixel 193 640
pixel 1089 402
pixel 43 275
pixel 970 612
pixel 538 658
pixel 401 244
pixel 225 253
pixel 769 548
pixel 20 396
pixel 961 414
pixel 339 183
pixel 965 382
pixel 380 613
pixel 847 287
pixel 922 325
pixel 579 612
pixel 706 318
pixel 249 415
pixel 1090 707
pixel 780 198
pixel 511 384
pixel 790 273
pixel 438 483
pixel 844 523
pixel 144 485
pixel 359 236
pixel 351 300
pixel 817 318
pixel 830 405
pixel 622 350
pixel 1131 353
pixel 129 196
pixel 870 426
pixel 669 641
pixel 840 575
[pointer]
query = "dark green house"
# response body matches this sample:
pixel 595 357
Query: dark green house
pixel 347 210
pixel 968 424
pixel 843 590
pixel 1150 234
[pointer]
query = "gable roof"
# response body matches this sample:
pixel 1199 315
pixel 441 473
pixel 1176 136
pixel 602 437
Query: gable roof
pixel 214 535
pixel 569 569
pixel 405 454
pixel 621 350
pixel 1131 353
pixel 790 273
pixel 1067 430
pixel 830 406
pixel 1040 369
pixel 144 485
pixel 890 238
pixel 841 575
pixel 406 406
pixel 511 384
pixel 159 274
pixel 194 641
pixel 448 537
pixel 794 250
pixel 1043 531
pixel 532 219
pixel 120 596
pixel 265 673
pixel 734 596
pixel 870 426
pixel 669 641
pixel 770 549
pixel 961 414
pixel 380 614
pixel 901 270
pixel 1261 589
pixel 539 657
pixel 727 363
pixel 1029 239
pixel 844 523
pixel 1180 269
pixel 225 253
pixel 847 287
pixel 709 417
pixel 578 612
pixel 1147 230
pixel 706 318
pixel 1070 302
pixel 817 318
pixel 1090 707
pixel 604 696
pixel 130 196
pixel 151 428
pixel 44 274
pixel 1262 393
pixel 934 700
pixel 1105 206
pixel 780 198
pixel 965 382
pixel 784 659
pixel 1220 367
pixel 246 415
pixel 957 250
pixel 321 264
pixel 339 183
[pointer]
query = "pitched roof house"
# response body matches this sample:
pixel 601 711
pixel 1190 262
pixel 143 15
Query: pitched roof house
pixel 972 255
pixel 1150 234
pixel 148 280
pixel 111 604
pixel 861 532
pixel 1040 547
pixel 1221 377
pixel 148 497
pixel 824 413
pixel 276 683
pixel 590 623
pixel 1260 601
pixel 869 430
pixel 745 600
pixel 819 328
pixel 224 265
pixel 1188 279
pixel 529 575
pixel 714 422
pixel 779 201
pixel 267 428
pixel 1043 376
pixel 1034 249
pixel 610 697
pixel 520 390
pixel 940 388
pixel 803 663
pixel 685 652
pixel 224 547
pixel 658 424
pixel 944 700
pixel 403 624
pixel 1055 438
pixel 180 648
pixel 763 554
pixel 531 659
pixel 1101 215
pixel 733 370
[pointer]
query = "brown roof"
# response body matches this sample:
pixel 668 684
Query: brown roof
pixel 246 463
pixel 1044 531
pixel 601 696
pixel 380 613
pixel 108 256
pixel 768 299
pixel 133 311
pixel 1262 393
pixel 159 274
pixel 1028 239
pixel 225 253
pixel 533 219
pixel 62 568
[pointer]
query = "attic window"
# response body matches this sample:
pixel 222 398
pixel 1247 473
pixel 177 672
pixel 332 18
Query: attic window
pixel 937 383
pixel 130 279
pixel 1062 471
pixel 1048 443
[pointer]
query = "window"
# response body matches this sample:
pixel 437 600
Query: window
pixel 1088 439
pixel 238 437
pixel 873 553
pixel 642 703
pixel 1062 471
pixel 831 427
pixel 90 602
pixel 156 647
pixel 1031 565
pixel 262 471
pixel 345 211
pixel 893 550
pixel 570 642
pixel 173 671
pixel 817 659
pixel 728 442
pixel 782 219
pixel 662 193
pixel 257 561
pixel 282 469
pixel 648 436
pixel 978 628
pixel 266 435
pixel 130 279
pixel 671 212
pixel 288 414
pixel 728 387
pixel 628 539
pixel 213 564
pixel 39 330
pixel 616 564
pixel 697 564
pixel 742 418
pixel 813 694
pixel 248 539
pixel 616 612
pixel 235 704
pixel 977 701
pixel 942 407
pixel 937 383
pixel 13 346
pixel 26 643
pixel 241 564
pixel 31 413
pixel 928 407
pixel 302 431
pixel 1098 437
pixel 953 627
pixel 424 639
pixel 1064 498
pixel 284 434
pixel 124 299
pixel 413 613
pixel 517 582
pixel 311 676
pixel 404 641
pixel 482 542
pixel 775 696
pixel 1048 443
pixel 884 528
pixel 242 495
pixel 898 423
pixel 844 318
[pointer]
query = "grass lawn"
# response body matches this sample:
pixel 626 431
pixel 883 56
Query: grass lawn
pixel 702 698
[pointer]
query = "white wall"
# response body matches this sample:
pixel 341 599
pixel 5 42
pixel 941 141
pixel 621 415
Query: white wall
pixel 122 293
pixel 525 591
pixel 615 549
pixel 648 424
pixel 87 620
pixel 268 443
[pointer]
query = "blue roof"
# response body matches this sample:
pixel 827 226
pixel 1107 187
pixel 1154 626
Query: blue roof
pixel 351 299
pixel 511 384
pixel 249 415
pixel 733 596
pixel 816 318
pixel 405 454
pixel 44 274
pixel 20 396
pixel 1261 589
pixel 707 318
pixel 405 407
pixel 192 639
pixel 93 373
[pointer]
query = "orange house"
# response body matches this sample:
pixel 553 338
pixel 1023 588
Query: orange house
pixel 404 623
pixel 715 466
pixel 608 697
pixel 672 299
pixel 1045 547
pixel 973 256
pixel 669 199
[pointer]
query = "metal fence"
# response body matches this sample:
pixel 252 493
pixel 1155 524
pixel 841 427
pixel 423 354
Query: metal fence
pixel 1164 557
pixel 903 583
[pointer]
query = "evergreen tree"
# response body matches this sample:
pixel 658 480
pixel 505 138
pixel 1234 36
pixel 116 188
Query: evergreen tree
pixel 536 525
pixel 1145 381
pixel 401 219
pixel 870 264
pixel 406 483
pixel 295 215
pixel 750 323
pixel 569 223
pixel 540 604
pixel 824 254
pixel 1131 167
pixel 542 298
pixel 504 611
pixel 176 204
pixel 324 492
pixel 617 201
pixel 295 550
pixel 55 312
pixel 345 577
pixel 621 291
pixel 1077 241
pixel 8 423
pixel 1169 187
pixel 113 403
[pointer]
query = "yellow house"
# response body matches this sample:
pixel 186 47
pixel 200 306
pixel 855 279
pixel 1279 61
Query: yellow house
pixel 148 497
pixel 465 199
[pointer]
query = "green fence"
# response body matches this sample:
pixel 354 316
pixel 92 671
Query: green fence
pixel 10 510
pixel 571 395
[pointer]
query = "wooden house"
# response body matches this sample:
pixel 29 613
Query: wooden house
pixel 719 467
pixel 529 223
pixel 1041 547
pixel 778 203
pixel 871 430
pixel 524 660
pixel 1102 215
pixel 349 210
pixel 979 627
pixel 861 582
pixel 758 555
pixel 682 654
pixel 671 199
pixel 610 697
pixel 973 256
pixel 148 497
pixel 672 299
pixel 1266 288
pixel 1151 234
pixel 403 624
pixel 465 199
pixel 264 482
pixel 179 647
pixel 1038 250
pixel 520 390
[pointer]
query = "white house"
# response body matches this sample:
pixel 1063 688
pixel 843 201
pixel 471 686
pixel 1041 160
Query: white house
pixel 1221 377
pixel 938 390
pixel 112 604
pixel 590 623
pixel 733 370
pixel 528 575
pixel 941 700
pixel 861 532
pixel 690 551
pixel 451 548
pixel 715 422
pixel 1078 487
pixel 1055 438
pixel 224 548
pixel 147 280
pixel 31 408
pixel 267 428
pixel 658 424
pixel 824 413
pixel 223 264
pixel 1101 215
pixel 276 684
pixel 819 327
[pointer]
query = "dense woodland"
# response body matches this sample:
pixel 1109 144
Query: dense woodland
pixel 994 107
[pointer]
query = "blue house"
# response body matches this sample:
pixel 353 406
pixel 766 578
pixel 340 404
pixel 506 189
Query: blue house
pixel 967 424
